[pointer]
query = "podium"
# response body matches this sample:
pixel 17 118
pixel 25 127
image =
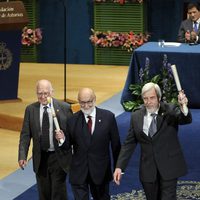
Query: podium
pixel 13 18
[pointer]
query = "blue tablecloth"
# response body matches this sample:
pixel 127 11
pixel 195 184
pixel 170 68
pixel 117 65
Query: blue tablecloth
pixel 185 57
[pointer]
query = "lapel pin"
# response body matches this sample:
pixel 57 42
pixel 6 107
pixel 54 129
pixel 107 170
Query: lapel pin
pixel 99 120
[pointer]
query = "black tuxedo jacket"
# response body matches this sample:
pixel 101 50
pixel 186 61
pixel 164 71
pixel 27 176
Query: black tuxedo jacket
pixel 31 130
pixel 186 25
pixel 91 153
pixel 162 152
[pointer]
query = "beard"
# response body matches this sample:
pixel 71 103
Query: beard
pixel 152 109
pixel 87 111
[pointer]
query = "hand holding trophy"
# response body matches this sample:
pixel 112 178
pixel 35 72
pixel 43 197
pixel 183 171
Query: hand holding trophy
pixel 55 120
pixel 178 85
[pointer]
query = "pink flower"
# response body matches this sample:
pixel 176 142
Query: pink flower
pixel 129 41
pixel 119 1
pixel 31 36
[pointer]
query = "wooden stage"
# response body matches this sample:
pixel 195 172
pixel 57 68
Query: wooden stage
pixel 105 80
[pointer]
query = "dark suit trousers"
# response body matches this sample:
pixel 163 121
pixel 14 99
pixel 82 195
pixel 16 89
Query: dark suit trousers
pixel 98 192
pixel 160 189
pixel 51 179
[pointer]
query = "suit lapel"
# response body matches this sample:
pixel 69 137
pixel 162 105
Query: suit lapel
pixel 141 118
pixel 98 121
pixel 37 117
pixel 198 29
pixel 160 117
pixel 141 121
pixel 191 25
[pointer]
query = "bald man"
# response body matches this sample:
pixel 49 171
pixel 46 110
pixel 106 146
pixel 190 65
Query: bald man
pixel 92 132
pixel 50 159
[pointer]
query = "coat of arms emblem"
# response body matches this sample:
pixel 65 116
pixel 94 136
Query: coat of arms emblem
pixel 5 57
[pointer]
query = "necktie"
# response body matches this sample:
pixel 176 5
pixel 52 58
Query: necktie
pixel 196 27
pixel 45 130
pixel 89 123
pixel 153 125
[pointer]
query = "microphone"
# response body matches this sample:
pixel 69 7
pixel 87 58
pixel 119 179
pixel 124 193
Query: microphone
pixel 55 120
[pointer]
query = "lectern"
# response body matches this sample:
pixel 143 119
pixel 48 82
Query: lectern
pixel 13 18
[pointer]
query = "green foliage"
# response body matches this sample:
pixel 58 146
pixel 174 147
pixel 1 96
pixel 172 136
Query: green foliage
pixel 164 79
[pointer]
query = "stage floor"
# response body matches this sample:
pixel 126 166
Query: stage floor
pixel 105 80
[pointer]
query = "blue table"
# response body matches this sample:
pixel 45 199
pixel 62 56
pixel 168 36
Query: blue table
pixel 185 57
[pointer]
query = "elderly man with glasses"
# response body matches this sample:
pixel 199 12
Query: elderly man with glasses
pixel 92 132
pixel 50 149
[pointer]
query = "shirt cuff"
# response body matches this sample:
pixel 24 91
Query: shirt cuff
pixel 60 143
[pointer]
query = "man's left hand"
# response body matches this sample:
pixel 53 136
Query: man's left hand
pixel 60 135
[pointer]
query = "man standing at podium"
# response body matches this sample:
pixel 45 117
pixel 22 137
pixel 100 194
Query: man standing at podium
pixel 51 155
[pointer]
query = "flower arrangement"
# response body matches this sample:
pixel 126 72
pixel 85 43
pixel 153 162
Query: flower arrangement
pixel 128 41
pixel 120 1
pixel 31 36
pixel 164 79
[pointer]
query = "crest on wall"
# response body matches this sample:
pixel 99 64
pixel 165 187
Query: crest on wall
pixel 5 57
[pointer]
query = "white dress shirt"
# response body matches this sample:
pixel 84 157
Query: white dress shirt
pixel 147 121
pixel 93 118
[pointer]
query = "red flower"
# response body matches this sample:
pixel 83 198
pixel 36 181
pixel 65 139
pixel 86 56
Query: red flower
pixel 122 1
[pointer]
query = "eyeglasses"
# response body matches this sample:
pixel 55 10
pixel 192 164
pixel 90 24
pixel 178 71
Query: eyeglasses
pixel 89 103
pixel 45 94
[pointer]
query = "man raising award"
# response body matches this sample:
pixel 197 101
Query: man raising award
pixel 155 127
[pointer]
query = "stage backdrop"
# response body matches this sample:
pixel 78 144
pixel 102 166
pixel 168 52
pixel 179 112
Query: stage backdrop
pixel 79 21
pixel 164 18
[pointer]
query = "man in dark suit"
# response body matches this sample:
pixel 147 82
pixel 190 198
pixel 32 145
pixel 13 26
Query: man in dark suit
pixel 189 31
pixel 50 154
pixel 92 132
pixel 155 126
